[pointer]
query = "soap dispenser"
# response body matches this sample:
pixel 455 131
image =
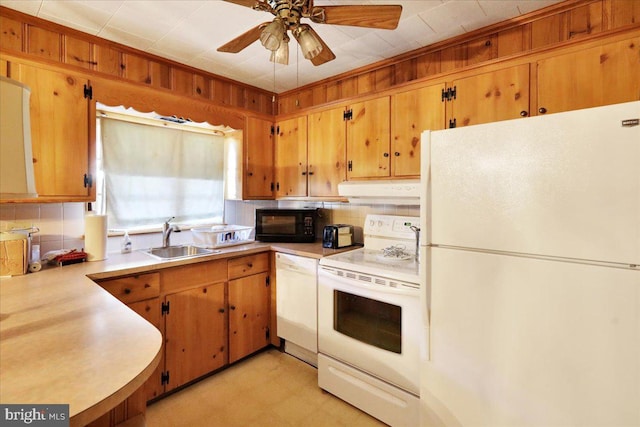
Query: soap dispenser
pixel 126 243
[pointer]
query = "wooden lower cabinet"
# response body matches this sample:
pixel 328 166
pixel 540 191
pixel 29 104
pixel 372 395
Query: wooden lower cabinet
pixel 248 315
pixel 210 314
pixel 195 333
pixel 151 311
pixel 132 290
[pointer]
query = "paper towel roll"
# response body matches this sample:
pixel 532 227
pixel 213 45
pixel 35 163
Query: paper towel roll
pixel 95 237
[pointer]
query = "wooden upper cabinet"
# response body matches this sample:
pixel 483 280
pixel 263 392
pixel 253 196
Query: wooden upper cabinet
pixel 291 157
pixel 411 113
pixel 488 97
pixel 60 132
pixel 258 149
pixel 601 75
pixel 310 155
pixel 326 152
pixel 368 138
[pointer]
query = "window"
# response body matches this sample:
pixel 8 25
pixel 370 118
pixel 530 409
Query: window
pixel 149 171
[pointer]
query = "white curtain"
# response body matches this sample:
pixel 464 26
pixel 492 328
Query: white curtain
pixel 153 173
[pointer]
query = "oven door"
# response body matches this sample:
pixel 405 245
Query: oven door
pixel 371 327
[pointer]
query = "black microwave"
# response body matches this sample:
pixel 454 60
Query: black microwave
pixel 286 225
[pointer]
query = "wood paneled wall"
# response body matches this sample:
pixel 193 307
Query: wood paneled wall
pixel 43 40
pixel 547 28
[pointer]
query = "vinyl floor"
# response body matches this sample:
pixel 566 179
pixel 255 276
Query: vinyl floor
pixel 268 389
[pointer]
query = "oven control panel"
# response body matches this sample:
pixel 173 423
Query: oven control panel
pixel 391 226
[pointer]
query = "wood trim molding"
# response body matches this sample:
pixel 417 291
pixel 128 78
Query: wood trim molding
pixel 48 42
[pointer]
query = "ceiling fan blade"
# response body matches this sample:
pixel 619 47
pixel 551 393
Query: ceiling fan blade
pixel 243 40
pixel 254 4
pixel 247 3
pixel 325 54
pixel 384 17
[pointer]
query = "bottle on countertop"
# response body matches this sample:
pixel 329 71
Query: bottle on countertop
pixel 126 243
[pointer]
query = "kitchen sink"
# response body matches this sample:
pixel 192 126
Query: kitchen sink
pixel 181 251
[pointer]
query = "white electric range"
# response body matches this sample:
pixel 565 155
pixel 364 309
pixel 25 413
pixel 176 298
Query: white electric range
pixel 369 322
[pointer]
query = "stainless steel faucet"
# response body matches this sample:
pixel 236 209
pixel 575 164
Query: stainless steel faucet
pixel 166 232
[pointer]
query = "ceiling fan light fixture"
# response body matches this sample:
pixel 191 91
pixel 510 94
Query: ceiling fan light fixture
pixel 272 34
pixel 281 55
pixel 309 43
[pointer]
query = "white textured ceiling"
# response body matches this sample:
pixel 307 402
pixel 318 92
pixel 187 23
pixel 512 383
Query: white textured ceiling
pixel 190 31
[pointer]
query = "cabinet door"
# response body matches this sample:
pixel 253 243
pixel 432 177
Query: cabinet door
pixel 59 130
pixel 590 78
pixel 490 97
pixel 248 315
pixel 291 157
pixel 411 113
pixel 327 151
pixel 195 339
pixel 258 183
pixel 151 311
pixel 368 137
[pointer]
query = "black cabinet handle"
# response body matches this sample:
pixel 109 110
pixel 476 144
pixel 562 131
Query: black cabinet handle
pixel 397 154
pixel 127 291
pixel 232 307
pixel 386 154
pixel 542 110
pixel 524 113
pixel 221 310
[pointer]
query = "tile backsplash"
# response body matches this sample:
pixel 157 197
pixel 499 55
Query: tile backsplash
pixel 61 225
pixel 243 212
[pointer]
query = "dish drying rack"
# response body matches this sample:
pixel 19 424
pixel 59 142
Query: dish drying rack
pixel 219 236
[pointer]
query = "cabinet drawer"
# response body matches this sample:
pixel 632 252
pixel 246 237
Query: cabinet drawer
pixel 247 265
pixel 133 288
pixel 194 275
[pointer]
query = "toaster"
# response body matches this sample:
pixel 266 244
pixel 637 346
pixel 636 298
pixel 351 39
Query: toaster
pixel 336 236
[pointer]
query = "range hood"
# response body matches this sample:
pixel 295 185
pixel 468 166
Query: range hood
pixel 381 192
pixel 16 161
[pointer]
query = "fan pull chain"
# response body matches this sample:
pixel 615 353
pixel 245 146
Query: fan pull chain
pixel 297 75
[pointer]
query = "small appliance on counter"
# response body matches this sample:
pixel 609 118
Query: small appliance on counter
pixel 15 249
pixel 336 236
pixel 286 225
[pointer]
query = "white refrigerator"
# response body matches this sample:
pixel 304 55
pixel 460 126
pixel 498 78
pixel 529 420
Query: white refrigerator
pixel 530 270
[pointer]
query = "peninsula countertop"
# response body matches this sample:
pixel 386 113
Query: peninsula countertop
pixel 64 339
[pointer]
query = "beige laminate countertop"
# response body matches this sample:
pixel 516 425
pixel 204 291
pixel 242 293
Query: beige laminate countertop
pixel 64 339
